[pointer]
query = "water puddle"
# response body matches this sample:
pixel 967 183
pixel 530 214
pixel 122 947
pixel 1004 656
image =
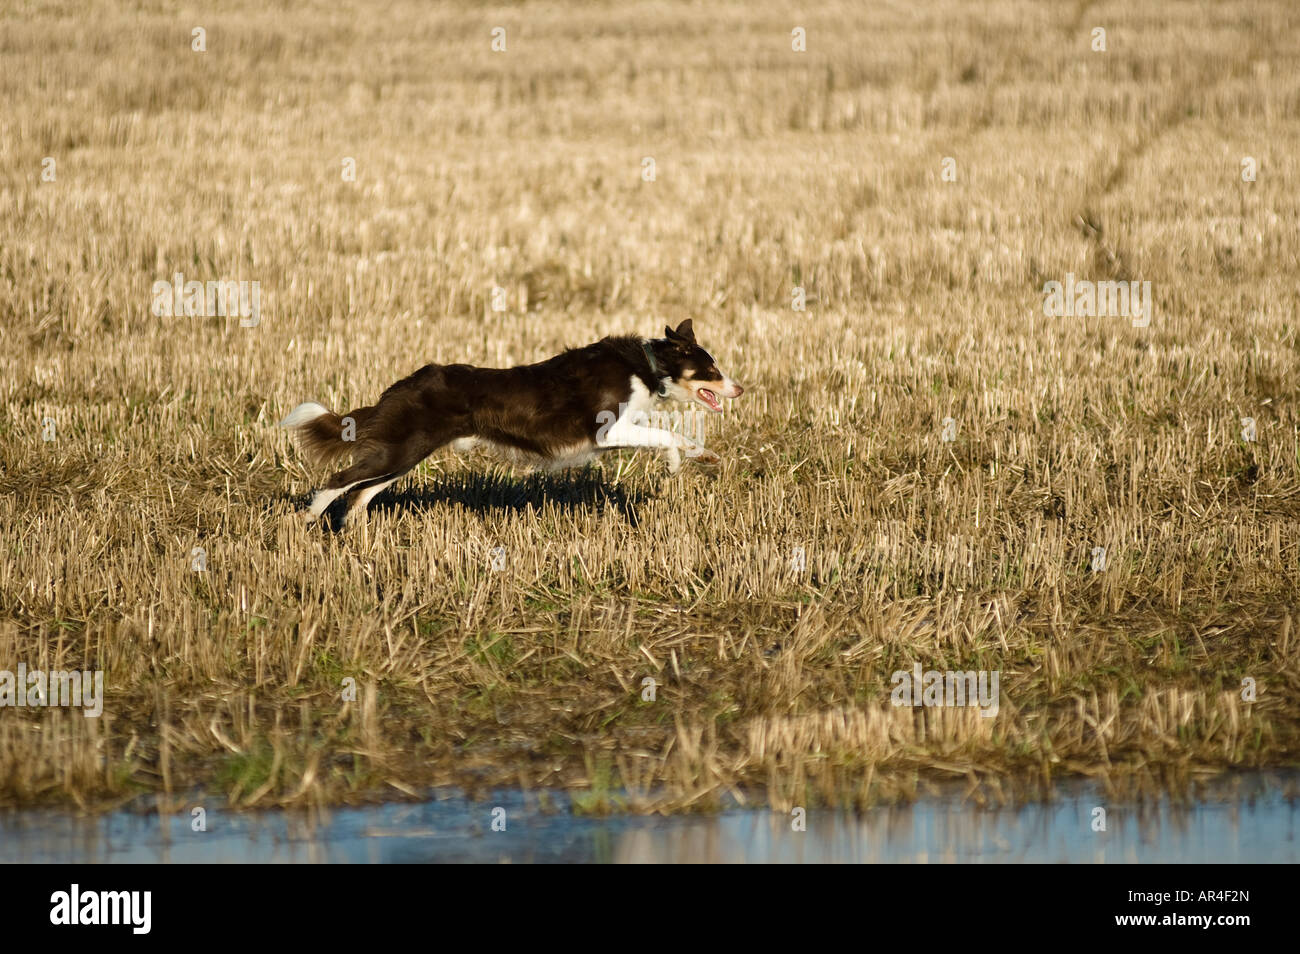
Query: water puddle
pixel 1246 818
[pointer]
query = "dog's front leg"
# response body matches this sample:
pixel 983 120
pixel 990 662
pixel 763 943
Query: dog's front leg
pixel 674 459
pixel 626 434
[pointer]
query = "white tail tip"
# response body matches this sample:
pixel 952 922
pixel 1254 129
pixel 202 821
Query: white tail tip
pixel 303 413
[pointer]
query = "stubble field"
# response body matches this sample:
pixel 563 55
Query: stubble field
pixel 498 626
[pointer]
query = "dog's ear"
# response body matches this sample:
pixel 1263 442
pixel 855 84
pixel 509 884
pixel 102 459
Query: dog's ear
pixel 684 334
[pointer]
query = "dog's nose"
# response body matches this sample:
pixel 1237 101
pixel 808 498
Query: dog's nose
pixel 739 390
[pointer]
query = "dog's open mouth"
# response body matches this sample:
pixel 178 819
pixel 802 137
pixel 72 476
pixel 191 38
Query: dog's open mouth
pixel 708 399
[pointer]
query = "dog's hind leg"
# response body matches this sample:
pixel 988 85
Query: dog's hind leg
pixel 380 466
pixel 357 507
pixel 322 499
pixel 365 471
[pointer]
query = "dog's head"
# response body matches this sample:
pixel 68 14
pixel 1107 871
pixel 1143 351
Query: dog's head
pixel 692 373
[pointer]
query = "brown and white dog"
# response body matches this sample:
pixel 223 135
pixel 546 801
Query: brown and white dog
pixel 561 412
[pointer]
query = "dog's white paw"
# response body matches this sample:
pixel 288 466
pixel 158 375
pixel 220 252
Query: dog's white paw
pixel 674 460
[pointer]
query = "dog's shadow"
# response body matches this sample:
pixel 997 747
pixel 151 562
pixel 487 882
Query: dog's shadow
pixel 497 492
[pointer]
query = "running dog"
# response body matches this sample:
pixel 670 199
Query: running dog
pixel 561 412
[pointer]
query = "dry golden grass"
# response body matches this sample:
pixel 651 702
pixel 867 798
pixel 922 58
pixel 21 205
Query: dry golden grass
pixel 774 168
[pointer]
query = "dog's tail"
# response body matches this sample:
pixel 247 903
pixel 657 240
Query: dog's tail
pixel 323 435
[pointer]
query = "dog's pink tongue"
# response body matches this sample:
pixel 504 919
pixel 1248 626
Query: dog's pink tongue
pixel 711 399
